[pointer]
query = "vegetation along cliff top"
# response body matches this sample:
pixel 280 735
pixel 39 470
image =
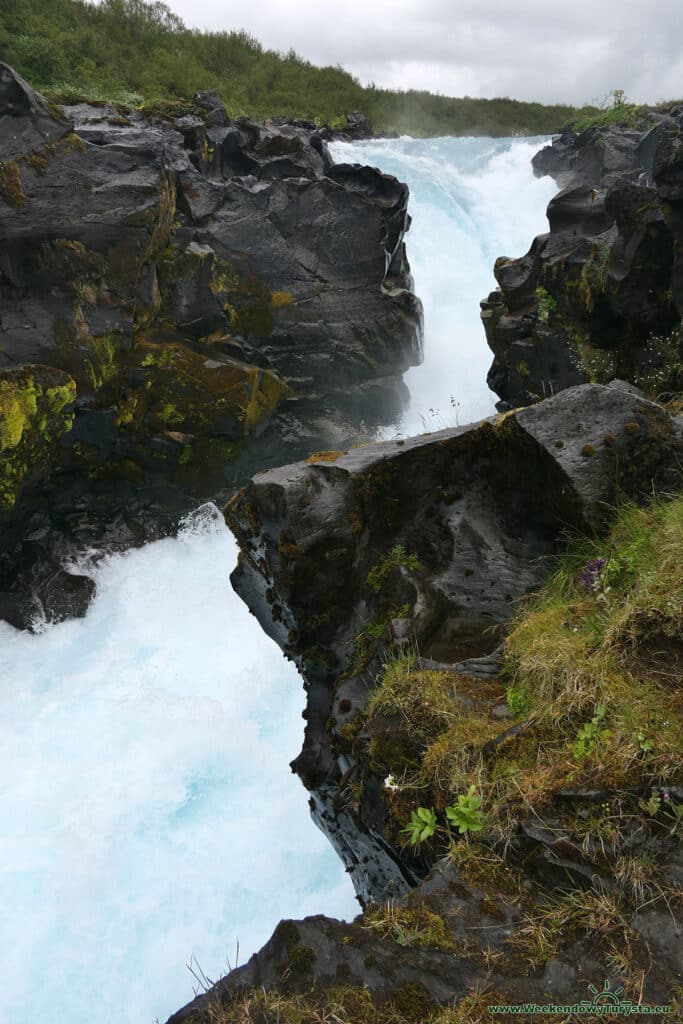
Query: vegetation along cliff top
pixel 133 52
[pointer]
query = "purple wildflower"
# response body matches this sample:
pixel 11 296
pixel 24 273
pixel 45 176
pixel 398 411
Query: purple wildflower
pixel 591 577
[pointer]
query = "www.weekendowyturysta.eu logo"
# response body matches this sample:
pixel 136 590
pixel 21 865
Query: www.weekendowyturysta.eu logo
pixel 606 1002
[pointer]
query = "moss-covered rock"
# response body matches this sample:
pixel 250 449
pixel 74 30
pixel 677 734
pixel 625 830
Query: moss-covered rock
pixel 35 410
pixel 188 391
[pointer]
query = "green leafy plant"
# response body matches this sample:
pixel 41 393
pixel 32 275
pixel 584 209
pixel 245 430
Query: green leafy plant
pixel 645 744
pixel 622 568
pixel 466 813
pixel 545 304
pixel 591 735
pixel 422 825
pixel 518 700
pixel 398 557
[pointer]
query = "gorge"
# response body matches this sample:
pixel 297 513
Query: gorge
pixel 360 553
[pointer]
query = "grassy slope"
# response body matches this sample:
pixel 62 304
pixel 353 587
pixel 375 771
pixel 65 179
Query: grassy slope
pixel 593 670
pixel 131 51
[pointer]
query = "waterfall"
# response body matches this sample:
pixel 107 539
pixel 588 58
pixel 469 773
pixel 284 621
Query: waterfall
pixel 471 200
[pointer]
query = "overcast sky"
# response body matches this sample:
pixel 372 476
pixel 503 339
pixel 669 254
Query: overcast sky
pixel 576 52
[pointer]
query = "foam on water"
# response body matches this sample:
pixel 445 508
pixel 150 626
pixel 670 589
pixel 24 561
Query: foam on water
pixel 148 810
pixel 471 201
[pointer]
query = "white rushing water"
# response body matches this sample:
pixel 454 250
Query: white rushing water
pixel 471 201
pixel 148 810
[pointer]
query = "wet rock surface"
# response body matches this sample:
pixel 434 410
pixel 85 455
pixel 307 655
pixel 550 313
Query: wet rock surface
pixel 218 294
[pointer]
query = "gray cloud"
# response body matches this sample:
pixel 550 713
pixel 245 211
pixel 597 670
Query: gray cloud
pixel 531 49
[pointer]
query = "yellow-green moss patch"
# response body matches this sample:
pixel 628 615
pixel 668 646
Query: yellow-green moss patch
pixel 33 415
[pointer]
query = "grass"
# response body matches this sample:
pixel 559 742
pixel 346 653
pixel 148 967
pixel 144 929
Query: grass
pixel 594 674
pixel 346 1004
pixel 408 925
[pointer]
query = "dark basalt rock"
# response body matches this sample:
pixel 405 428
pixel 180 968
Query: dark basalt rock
pixel 317 953
pixel 600 295
pixel 28 121
pixel 481 507
pixel 218 295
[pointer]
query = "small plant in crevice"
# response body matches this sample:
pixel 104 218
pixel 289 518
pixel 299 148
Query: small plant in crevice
pixel 466 813
pixel 397 558
pixel 422 825
pixel 545 304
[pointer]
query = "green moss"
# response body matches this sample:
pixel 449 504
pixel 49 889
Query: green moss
pixel 280 299
pixel 267 391
pixel 128 411
pixel 594 277
pixel 413 1002
pixel 301 958
pixel 18 406
pixel 11 189
pixel 33 415
pixel 39 161
pixel 67 262
pixel 161 218
pixel 248 301
pixel 167 109
pixel 350 732
pixel 195 395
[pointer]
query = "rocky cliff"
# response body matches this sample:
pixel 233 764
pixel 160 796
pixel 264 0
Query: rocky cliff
pixel 389 573
pixel 184 299
pixel 601 294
